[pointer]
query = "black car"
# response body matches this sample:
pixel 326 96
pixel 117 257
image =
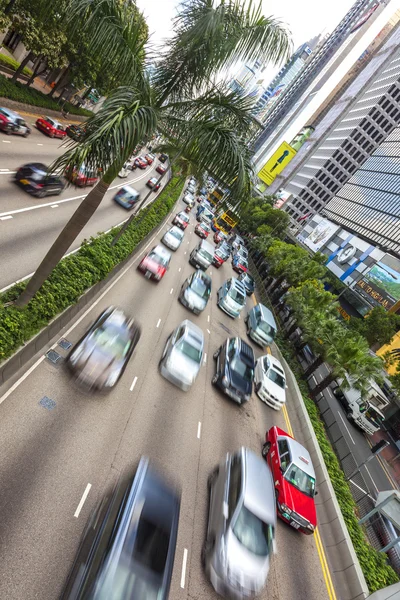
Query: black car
pixel 248 283
pixel 235 368
pixel 195 291
pixel 35 180
pixel 163 158
pixel 74 131
pixel 128 547
pixel 100 357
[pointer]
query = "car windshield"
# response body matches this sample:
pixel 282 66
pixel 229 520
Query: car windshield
pixel 248 280
pixel 53 123
pixel 124 581
pixel 276 378
pixel 221 253
pixel 183 217
pixel 158 258
pixel 267 329
pixel 177 233
pixel 303 482
pixel 205 254
pixel 242 369
pixel 236 295
pixel 255 535
pixel 186 348
pixel 205 227
pixel 200 288
pixel 112 340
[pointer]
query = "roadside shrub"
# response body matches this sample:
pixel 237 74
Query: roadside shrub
pixel 78 272
pixel 20 93
pixel 13 64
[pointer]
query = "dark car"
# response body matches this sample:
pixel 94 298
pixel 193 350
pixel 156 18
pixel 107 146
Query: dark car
pixel 128 547
pixel 163 158
pixel 100 357
pixel 12 123
pixel 195 292
pixel 74 132
pixel 35 180
pixel 235 368
pixel 248 283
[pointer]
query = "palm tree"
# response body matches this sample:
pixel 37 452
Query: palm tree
pixel 183 102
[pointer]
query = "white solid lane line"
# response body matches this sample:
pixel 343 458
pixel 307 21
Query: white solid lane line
pixel 133 384
pixel 347 429
pixel 208 318
pixel 158 323
pixel 184 561
pixel 83 499
pixel 205 358
pixel 7 172
pixel 39 144
pixel 208 331
pixel 199 430
pixel 5 218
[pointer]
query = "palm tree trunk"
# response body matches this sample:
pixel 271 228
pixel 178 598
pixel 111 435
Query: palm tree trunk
pixel 21 67
pixel 322 385
pixel 67 236
pixel 313 367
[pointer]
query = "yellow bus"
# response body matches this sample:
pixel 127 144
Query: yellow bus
pixel 225 222
pixel 216 195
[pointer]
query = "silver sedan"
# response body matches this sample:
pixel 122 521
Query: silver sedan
pixel 173 238
pixel 181 360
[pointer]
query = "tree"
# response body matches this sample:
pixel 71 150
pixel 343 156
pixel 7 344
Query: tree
pixel 311 305
pixel 259 212
pixel 378 326
pixel 183 103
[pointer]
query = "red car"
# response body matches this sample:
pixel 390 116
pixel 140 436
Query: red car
pixel 155 264
pixel 140 162
pixel 149 158
pixel 239 264
pixel 160 169
pixel 202 230
pixel 152 184
pixel 50 127
pixel 294 478
pixel 219 236
pixel 181 220
pixel 220 256
pixel 82 178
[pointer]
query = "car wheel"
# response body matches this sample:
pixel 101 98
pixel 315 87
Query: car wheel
pixel 41 194
pixel 51 135
pixel 59 192
pixel 258 387
pixel 206 549
pixel 214 379
pixel 265 449
pixel 216 354
pixel 26 134
pixel 212 477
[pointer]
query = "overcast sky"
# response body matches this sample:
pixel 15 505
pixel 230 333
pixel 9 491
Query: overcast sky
pixel 304 18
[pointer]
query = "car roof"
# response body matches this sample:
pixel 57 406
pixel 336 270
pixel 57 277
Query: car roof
pixel 193 331
pixel 37 167
pixel 129 189
pixel 154 179
pixel 176 228
pixel 267 315
pixel 238 284
pixel 161 250
pixel 10 112
pixel 258 488
pixel 199 274
pixel 274 362
pixel 245 349
pixel 207 246
pixel 300 456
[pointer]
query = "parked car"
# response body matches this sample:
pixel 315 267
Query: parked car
pixel 240 539
pixel 195 292
pixel 128 547
pixel 173 238
pixel 201 256
pixel 161 169
pixel 100 357
pixel 50 127
pixel 150 158
pixel 163 158
pixel 35 180
pixel 181 220
pixel 155 263
pixel 239 264
pixel 188 208
pixel 261 325
pixel 12 123
pixel 153 185
pixel 220 256
pixel 127 197
pixel 219 236
pixel 183 354
pixel 74 132
pixel 294 478
pixel 140 162
pixel 124 172
pixel 235 369
pixel 270 382
pixel 248 283
pixel 231 297
pixel 82 177
pixel 202 230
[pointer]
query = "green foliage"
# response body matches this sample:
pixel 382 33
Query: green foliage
pixel 378 327
pixel 13 64
pixel 20 93
pixel 294 264
pixel 378 574
pixel 258 213
pixel 76 273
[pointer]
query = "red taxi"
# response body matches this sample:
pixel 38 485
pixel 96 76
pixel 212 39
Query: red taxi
pixel 140 162
pixel 50 127
pixel 294 479
pixel 219 236
pixel 220 256
pixel 161 169
pixel 155 264
pixel 153 185
pixel 239 264
pixel 181 220
pixel 82 178
pixel 149 158
pixel 202 230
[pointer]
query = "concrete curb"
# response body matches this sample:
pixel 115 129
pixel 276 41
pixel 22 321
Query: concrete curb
pixel 18 360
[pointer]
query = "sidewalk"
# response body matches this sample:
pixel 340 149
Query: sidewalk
pixel 389 457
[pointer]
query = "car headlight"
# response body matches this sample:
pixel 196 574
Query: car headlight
pixel 112 380
pixel 285 509
pixel 225 381
pixel 157 276
pixel 311 527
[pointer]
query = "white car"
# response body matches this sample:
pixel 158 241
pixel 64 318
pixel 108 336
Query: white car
pixel 183 354
pixel 124 172
pixel 270 381
pixel 188 198
pixel 173 238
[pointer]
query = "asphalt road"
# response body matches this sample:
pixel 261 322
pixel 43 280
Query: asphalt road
pixel 28 225
pixel 48 457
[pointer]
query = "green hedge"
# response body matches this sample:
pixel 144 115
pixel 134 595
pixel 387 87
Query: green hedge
pixel 378 574
pixel 13 64
pixel 76 273
pixel 20 93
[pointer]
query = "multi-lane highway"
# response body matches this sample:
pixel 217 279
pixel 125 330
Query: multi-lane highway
pixel 28 225
pixel 49 459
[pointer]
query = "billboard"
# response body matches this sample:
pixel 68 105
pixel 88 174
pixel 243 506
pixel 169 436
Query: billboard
pixel 276 163
pixel 321 235
pixel 381 285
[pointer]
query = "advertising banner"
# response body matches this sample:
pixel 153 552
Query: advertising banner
pixel 276 163
pixel 321 235
pixel 381 285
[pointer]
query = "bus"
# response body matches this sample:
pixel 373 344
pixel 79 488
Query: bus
pixel 225 222
pixel 216 195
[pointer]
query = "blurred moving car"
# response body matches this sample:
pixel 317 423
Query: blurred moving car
pixel 127 197
pixel 82 177
pixel 240 539
pixel 100 357
pixel 201 256
pixel 173 238
pixel 202 230
pixel 220 256
pixel 294 477
pixel 163 158
pixel 239 264
pixel 231 297
pixel 149 158
pixel 140 162
pixel 219 236
pixel 181 220
pixel 261 325
pixel 153 185
pixel 248 283
pixel 128 547
pixel 195 292
pixel 161 169
pixel 50 127
pixel 182 356
pixel 270 382
pixel 74 132
pixel 235 369
pixel 188 208
pixel 154 265
pixel 12 123
pixel 188 198
pixel 35 180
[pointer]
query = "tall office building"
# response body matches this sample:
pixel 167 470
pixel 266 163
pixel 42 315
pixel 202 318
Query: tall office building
pixel 248 79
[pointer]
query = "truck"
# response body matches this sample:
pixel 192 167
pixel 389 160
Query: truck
pixel 364 412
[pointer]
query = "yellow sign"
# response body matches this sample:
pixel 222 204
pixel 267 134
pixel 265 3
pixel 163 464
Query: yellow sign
pixel 277 163
pixel 394 349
